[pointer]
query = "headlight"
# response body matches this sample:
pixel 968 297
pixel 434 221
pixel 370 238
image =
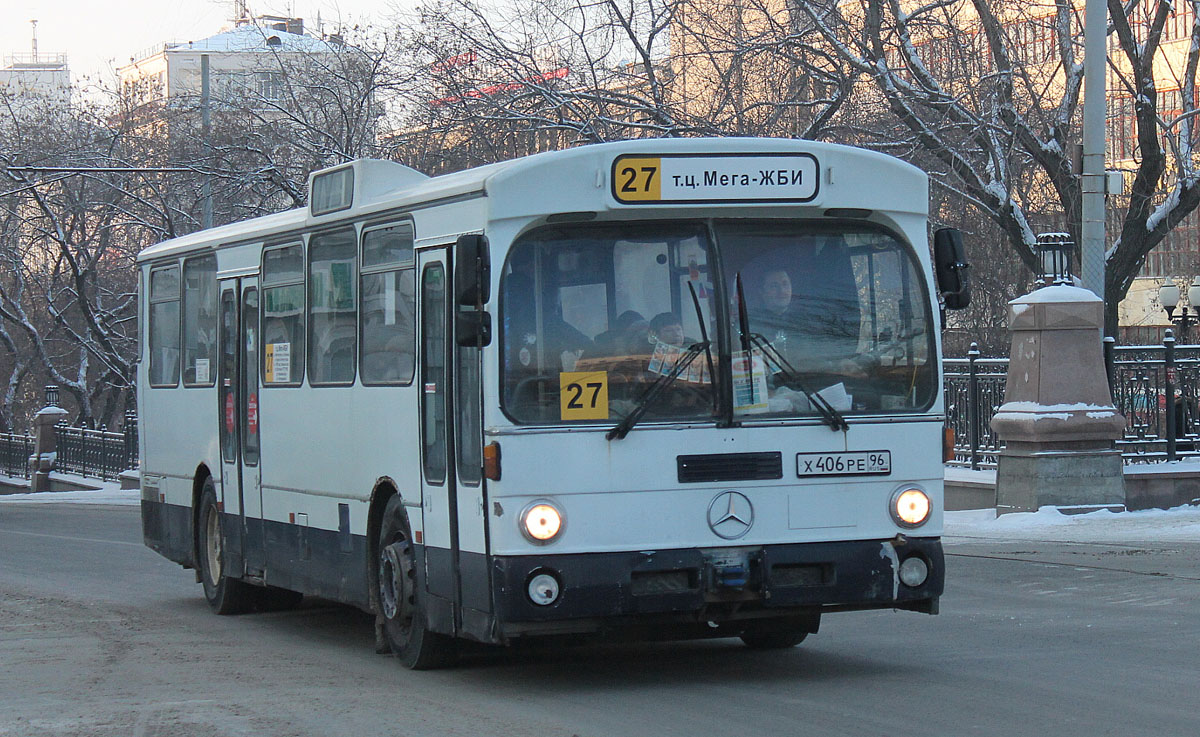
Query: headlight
pixel 541 522
pixel 910 507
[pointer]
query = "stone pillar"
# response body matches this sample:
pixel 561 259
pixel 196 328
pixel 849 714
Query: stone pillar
pixel 1058 420
pixel 44 446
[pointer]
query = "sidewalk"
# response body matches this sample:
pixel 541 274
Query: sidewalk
pixel 1180 524
pixel 105 492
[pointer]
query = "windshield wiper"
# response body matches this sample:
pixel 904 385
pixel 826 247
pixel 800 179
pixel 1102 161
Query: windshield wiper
pixel 712 373
pixel 653 391
pixel 791 376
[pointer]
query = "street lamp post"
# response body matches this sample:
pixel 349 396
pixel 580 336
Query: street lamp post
pixel 1168 296
pixel 1054 252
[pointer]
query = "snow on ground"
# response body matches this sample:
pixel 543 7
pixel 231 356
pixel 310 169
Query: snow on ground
pixel 1181 524
pixel 110 492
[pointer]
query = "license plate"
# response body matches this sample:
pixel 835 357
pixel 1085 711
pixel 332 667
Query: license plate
pixel 855 463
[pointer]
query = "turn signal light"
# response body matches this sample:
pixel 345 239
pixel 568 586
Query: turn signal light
pixel 491 461
pixel 947 444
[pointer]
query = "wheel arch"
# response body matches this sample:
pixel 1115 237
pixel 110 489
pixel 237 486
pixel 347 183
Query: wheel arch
pixel 385 488
pixel 201 475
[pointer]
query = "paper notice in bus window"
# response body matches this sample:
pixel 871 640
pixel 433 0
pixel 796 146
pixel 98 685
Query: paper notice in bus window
pixel 749 383
pixel 583 395
pixel 278 362
pixel 202 371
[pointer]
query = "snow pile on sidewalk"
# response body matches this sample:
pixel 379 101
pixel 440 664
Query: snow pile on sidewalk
pixel 1181 524
pixel 110 492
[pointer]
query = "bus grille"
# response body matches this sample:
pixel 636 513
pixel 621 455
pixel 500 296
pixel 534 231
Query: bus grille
pixel 643 583
pixel 788 574
pixel 729 467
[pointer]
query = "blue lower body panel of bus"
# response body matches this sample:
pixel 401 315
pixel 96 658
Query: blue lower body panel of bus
pixel 716 587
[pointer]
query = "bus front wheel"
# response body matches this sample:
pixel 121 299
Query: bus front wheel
pixel 399 600
pixel 225 595
pixel 781 635
pixel 772 640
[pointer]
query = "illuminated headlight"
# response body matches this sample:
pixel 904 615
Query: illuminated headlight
pixel 541 522
pixel 543 589
pixel 910 507
pixel 914 571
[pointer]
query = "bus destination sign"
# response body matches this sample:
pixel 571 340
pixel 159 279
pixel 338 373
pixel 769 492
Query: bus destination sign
pixel 682 178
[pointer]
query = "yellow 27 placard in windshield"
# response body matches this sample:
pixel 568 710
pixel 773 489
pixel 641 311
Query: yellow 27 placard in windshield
pixel 583 395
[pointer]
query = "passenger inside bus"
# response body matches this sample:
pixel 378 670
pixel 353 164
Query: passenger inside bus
pixel 666 327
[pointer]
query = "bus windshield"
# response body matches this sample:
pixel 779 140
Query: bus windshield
pixel 838 310
pixel 592 315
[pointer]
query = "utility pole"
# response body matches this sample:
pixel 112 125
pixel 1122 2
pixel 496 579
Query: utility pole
pixel 1095 61
pixel 206 204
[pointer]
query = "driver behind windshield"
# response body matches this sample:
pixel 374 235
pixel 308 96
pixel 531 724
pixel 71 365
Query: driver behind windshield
pixel 814 327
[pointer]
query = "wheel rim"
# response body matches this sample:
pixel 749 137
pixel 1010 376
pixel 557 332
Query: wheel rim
pixel 212 544
pixel 396 583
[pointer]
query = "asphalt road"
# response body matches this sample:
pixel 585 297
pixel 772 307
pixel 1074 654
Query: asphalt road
pixel 100 636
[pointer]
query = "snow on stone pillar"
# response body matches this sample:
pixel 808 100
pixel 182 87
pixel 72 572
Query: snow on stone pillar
pixel 1058 420
pixel 44 446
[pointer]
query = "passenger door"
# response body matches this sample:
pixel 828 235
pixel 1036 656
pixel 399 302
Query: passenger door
pixel 455 536
pixel 241 494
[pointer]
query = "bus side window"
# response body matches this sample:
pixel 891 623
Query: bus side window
pixel 388 305
pixel 199 321
pixel 164 326
pixel 332 308
pixel 283 337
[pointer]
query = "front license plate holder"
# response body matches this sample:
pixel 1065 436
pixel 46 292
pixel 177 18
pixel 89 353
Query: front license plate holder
pixel 847 463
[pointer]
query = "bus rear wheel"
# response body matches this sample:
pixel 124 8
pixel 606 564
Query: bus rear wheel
pixel 399 600
pixel 225 595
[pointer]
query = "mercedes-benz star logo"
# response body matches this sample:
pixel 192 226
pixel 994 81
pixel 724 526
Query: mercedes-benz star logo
pixel 730 515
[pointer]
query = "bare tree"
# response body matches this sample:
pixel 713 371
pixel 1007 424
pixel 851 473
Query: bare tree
pixel 69 238
pixel 537 74
pixel 987 96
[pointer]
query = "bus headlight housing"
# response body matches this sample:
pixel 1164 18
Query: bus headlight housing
pixel 541 522
pixel 910 507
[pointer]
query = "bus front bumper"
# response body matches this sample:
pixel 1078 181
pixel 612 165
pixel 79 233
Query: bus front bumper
pixel 714 587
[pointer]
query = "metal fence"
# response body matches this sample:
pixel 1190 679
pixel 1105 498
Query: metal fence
pixel 99 453
pixel 1141 377
pixel 15 450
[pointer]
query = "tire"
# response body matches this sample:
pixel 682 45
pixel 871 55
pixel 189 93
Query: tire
pixel 781 634
pixel 225 595
pixel 401 613
pixel 772 640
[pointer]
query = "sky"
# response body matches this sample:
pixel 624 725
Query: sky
pixel 98 37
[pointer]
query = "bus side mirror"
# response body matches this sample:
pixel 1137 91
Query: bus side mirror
pixel 950 266
pixel 472 270
pixel 473 328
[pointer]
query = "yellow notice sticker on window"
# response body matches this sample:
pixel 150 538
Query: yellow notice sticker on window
pixel 583 395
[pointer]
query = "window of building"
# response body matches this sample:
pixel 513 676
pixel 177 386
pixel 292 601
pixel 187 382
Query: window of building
pixel 388 305
pixel 332 307
pixel 199 320
pixel 283 316
pixel 164 326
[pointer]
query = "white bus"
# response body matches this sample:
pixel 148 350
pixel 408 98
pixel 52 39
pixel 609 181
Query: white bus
pixel 657 388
